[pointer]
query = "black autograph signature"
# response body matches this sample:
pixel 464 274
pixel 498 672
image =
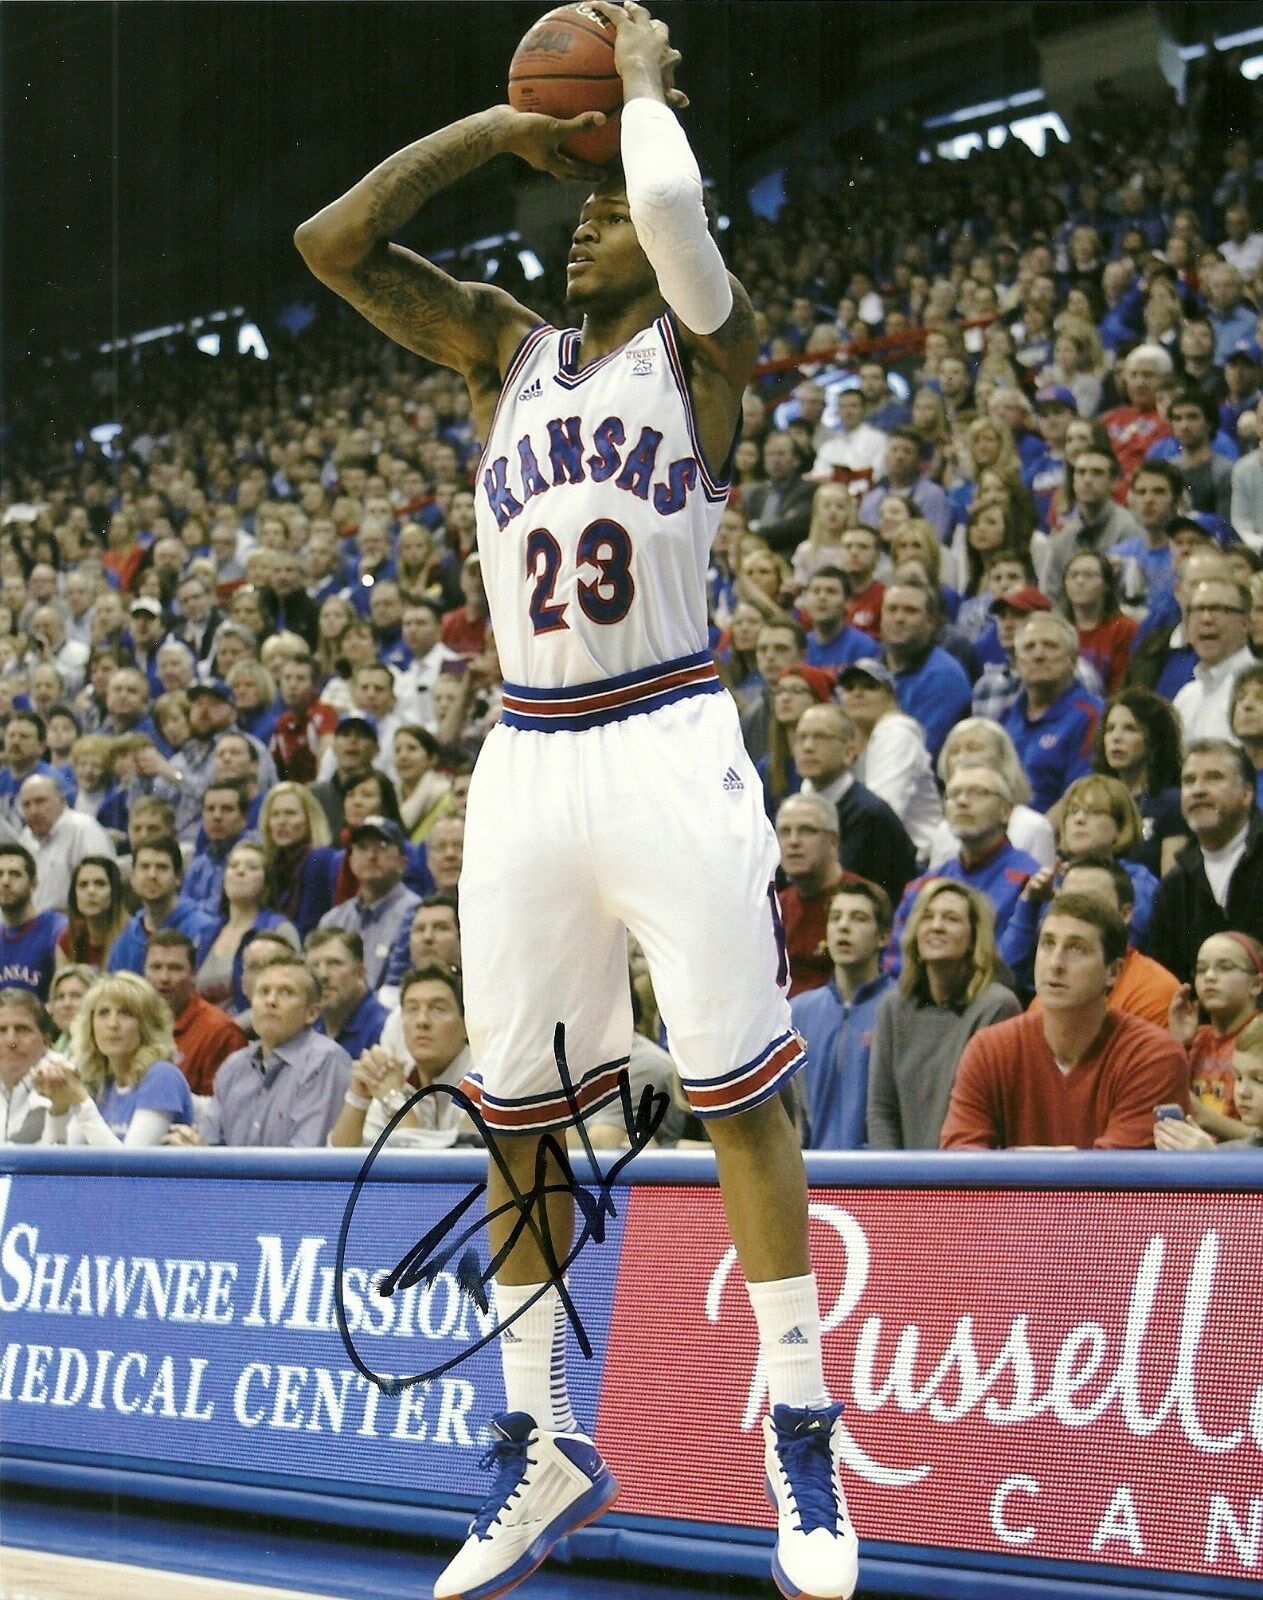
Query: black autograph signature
pixel 435 1250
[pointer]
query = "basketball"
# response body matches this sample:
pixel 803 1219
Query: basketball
pixel 565 66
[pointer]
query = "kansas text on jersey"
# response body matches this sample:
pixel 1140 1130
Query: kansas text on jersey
pixel 595 517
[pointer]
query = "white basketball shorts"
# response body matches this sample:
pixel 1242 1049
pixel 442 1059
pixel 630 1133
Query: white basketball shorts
pixel 654 823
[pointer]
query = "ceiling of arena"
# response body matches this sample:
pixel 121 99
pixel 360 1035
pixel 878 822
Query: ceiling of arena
pixel 157 156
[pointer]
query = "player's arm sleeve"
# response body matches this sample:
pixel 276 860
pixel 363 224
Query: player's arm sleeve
pixel 664 193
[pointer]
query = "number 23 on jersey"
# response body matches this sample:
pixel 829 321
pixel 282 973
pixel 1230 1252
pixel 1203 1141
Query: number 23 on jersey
pixel 604 546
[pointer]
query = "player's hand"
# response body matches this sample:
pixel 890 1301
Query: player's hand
pixel 1168 1134
pixel 1182 1015
pixel 538 139
pixel 642 49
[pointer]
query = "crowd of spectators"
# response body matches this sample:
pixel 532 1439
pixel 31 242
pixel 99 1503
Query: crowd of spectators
pixel 987 593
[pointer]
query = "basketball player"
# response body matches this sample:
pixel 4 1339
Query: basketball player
pixel 615 792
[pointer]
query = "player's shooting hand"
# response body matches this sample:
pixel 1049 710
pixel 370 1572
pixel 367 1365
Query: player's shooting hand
pixel 643 52
pixel 538 139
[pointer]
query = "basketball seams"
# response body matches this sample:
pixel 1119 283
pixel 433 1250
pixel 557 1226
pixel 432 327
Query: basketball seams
pixel 564 77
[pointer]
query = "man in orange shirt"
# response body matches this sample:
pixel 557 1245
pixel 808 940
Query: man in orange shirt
pixel 1079 1075
pixel 1144 988
pixel 204 1035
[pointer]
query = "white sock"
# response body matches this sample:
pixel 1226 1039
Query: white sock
pixel 533 1353
pixel 787 1311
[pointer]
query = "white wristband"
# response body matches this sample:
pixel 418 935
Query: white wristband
pixel 357 1102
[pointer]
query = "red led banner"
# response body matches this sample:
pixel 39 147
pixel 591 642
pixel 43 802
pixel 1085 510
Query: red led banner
pixel 1068 1376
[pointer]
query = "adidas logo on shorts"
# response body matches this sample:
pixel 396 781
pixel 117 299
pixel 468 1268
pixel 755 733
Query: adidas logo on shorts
pixel 532 390
pixel 732 781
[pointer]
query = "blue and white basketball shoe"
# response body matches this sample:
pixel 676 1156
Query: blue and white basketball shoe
pixel 817 1553
pixel 546 1486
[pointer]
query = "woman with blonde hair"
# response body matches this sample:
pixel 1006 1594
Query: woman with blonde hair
pixel 1098 816
pixel 120 1085
pixel 302 865
pixel 833 511
pixel 917 541
pixel 254 695
pixel 986 443
pixel 947 991
pixel 65 996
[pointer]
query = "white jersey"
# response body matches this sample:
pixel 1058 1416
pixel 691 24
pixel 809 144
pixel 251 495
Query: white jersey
pixel 595 514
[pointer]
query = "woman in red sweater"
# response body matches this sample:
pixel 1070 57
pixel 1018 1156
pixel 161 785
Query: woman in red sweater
pixel 1090 600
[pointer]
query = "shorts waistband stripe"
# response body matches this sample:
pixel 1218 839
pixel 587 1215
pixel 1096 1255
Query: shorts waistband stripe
pixel 589 705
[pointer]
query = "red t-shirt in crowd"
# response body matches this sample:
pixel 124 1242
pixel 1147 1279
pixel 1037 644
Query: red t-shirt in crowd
pixel 463 633
pixel 297 738
pixel 1133 433
pixel 1010 1091
pixel 863 610
pixel 1212 1081
pixel 204 1038
pixel 1108 648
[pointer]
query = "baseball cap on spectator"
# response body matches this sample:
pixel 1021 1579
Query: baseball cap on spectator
pixel 214 686
pixel 1217 528
pixel 1245 350
pixel 1026 599
pixel 872 669
pixel 1056 395
pixel 146 603
pixel 357 721
pixel 378 828
pixel 818 679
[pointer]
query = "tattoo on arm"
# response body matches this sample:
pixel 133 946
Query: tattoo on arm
pixel 397 189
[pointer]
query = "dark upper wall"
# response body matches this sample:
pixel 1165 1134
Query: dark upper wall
pixel 157 157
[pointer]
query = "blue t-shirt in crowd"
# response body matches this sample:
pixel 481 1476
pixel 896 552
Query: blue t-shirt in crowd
pixel 1056 748
pixel 838 1039
pixel 28 954
pixel 850 645
pixel 132 945
pixel 1156 565
pixel 937 694
pixel 163 1088
pixel 362 1028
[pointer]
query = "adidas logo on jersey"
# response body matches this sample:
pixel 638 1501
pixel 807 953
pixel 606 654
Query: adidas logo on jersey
pixel 794 1336
pixel 532 390
pixel 732 781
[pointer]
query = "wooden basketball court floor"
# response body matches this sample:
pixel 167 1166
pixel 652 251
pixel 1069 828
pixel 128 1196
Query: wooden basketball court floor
pixel 71 1547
